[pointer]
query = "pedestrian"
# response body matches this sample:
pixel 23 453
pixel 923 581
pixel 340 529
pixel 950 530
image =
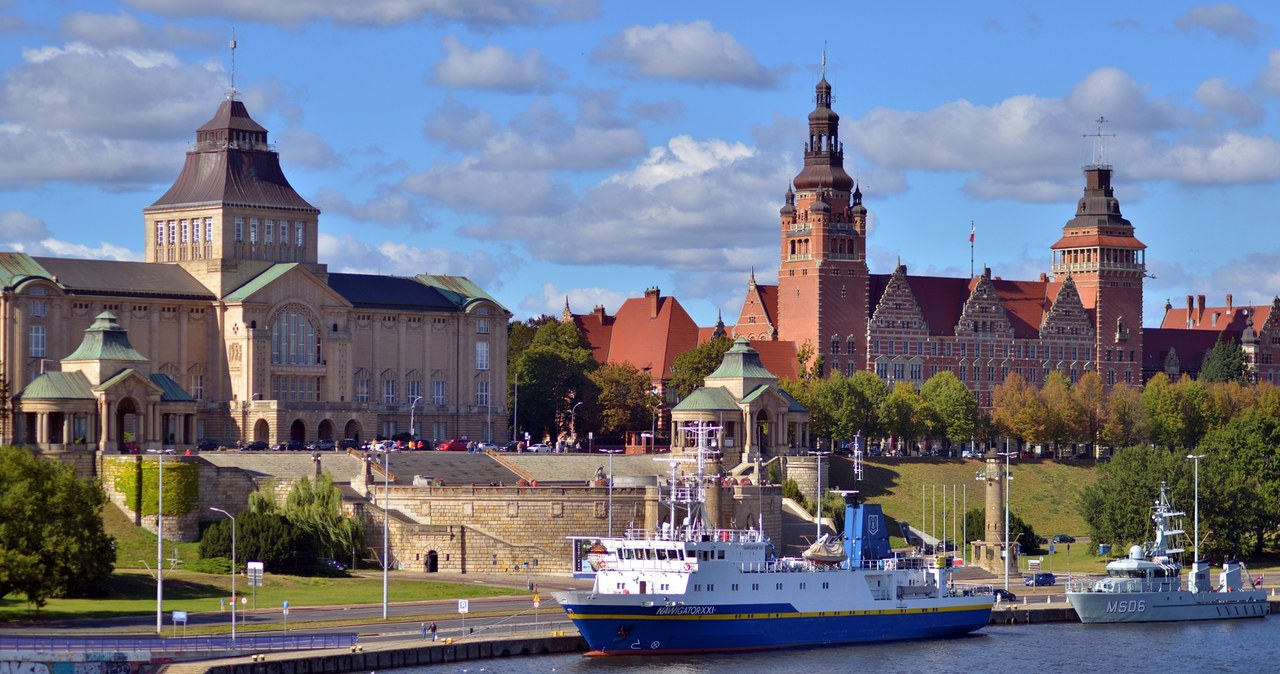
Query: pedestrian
pixel 424 631
pixel 434 637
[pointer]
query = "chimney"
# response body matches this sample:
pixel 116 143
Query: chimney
pixel 1200 308
pixel 654 296
pixel 1191 311
pixel 599 312
pixel 1228 303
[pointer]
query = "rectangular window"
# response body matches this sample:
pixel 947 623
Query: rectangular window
pixel 35 344
pixel 437 392
pixel 413 388
pixel 159 232
pixel 253 231
pixel 882 370
pixel 208 230
pixel 875 346
pixel 362 390
pixel 482 393
pixel 389 391
pixel 173 232
pixel 888 346
pixel 835 345
pixel 39 309
pixel 482 326
pixel 916 371
pixel 284 233
pixel 482 355
pixel 182 224
pixel 297 234
pixel 898 370
pixel 195 230
pixel 268 232
pixel 963 373
pixel 197 387
pixel 239 230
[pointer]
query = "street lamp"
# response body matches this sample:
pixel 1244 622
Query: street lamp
pixel 818 509
pixel 1004 483
pixel 233 570
pixel 413 430
pixel 1196 458
pixel 160 550
pixel 386 517
pixel 611 452
pixel 515 411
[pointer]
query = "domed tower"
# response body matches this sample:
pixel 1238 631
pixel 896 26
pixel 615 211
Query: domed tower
pixel 1099 252
pixel 822 278
pixel 231 213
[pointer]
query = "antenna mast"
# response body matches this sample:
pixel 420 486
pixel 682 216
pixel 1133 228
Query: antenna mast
pixel 1100 143
pixel 231 95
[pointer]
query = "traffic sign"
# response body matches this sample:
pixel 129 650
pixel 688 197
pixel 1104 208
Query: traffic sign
pixel 463 606
pixel 537 601
pixel 254 571
pixel 244 600
pixel 179 616
pixel 286 604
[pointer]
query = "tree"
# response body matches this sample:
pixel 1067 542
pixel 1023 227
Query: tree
pixel 625 401
pixel 1018 410
pixel 1126 418
pixel 315 507
pixel 903 412
pixel 975 522
pixel 1224 362
pixel 1164 411
pixel 265 537
pixel 1090 399
pixel 954 406
pixel 1239 483
pixel 1117 506
pixel 553 373
pixel 1063 418
pixel 690 369
pixel 52 542
pixel 871 393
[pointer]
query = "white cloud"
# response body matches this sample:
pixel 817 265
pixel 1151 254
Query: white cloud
pixel 464 186
pixel 1218 94
pixel 122 29
pixel 477 14
pixel 103 251
pixel 16 226
pixel 682 157
pixel 391 209
pixel 690 52
pixel 1227 158
pixel 347 254
pixel 1269 76
pixel 581 300
pixel 493 67
pixel 1223 20
pixel 307 149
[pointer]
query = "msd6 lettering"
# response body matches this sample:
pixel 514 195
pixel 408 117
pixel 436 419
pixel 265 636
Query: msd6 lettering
pixel 1131 606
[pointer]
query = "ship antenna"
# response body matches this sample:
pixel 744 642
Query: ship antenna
pixel 231 95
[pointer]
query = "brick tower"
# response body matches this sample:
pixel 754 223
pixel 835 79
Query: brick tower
pixel 1108 263
pixel 822 278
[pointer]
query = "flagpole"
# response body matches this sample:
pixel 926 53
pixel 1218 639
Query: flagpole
pixel 972 231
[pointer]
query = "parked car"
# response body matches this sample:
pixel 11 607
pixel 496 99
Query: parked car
pixel 1002 594
pixel 510 446
pixel 325 445
pixel 452 445
pixel 348 443
pixel 486 447
pixel 332 564
pixel 290 446
pixel 259 446
pixel 1040 580
pixel 208 445
pixel 547 449
pixel 1063 538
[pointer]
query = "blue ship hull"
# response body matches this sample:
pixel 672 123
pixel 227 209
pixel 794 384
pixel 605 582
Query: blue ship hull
pixel 633 630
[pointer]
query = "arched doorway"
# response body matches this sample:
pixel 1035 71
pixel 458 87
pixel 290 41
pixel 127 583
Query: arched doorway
pixel 325 431
pixel 433 562
pixel 128 424
pixel 261 431
pixel 298 431
pixel 352 430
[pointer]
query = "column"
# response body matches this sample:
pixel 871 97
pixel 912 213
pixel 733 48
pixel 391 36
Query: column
pixel 42 428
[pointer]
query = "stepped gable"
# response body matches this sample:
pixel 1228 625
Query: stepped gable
pixel 1067 316
pixel 232 164
pixel 984 312
pixel 898 307
pixel 758 318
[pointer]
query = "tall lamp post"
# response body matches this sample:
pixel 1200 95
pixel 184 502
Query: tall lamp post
pixel 386 532
pixel 160 550
pixel 573 421
pixel 233 570
pixel 1004 483
pixel 413 430
pixel 515 411
pixel 1196 458
pixel 818 509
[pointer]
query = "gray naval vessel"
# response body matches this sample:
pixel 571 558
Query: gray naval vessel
pixel 1147 586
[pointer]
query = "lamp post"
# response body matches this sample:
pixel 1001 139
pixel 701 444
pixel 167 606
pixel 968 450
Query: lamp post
pixel 488 407
pixel 1004 483
pixel 160 550
pixel 818 509
pixel 515 411
pixel 1196 458
pixel 386 531
pixel 233 570
pixel 413 430
pixel 610 486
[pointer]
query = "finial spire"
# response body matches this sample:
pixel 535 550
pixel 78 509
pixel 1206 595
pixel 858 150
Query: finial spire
pixel 824 59
pixel 1100 143
pixel 231 95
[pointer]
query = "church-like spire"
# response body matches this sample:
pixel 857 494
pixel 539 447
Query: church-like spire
pixel 823 152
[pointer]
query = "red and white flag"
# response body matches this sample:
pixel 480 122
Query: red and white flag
pixel 972 230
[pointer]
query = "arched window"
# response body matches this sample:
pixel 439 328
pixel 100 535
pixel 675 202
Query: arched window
pixel 294 338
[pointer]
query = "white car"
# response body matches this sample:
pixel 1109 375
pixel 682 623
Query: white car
pixel 540 448
pixel 486 447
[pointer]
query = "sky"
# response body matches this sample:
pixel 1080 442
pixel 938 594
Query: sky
pixel 584 150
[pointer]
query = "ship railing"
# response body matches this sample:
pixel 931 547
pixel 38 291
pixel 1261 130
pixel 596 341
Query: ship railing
pixel 696 535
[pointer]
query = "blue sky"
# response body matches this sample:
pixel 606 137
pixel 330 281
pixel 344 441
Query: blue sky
pixel 571 148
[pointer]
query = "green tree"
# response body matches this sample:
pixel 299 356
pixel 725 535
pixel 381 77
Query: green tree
pixel 975 522
pixel 1126 417
pixel 52 542
pixel 265 537
pixel 1240 483
pixel 625 401
pixel 553 373
pixel 903 412
pixel 1018 410
pixel 1224 362
pixel 1164 412
pixel 315 507
pixel 690 369
pixel 1117 506
pixel 871 394
pixel 955 409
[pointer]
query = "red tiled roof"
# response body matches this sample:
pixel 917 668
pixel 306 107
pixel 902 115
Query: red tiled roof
pixel 778 358
pixel 1089 240
pixel 598 330
pixel 942 299
pixel 1026 303
pixel 769 300
pixel 1228 320
pixel 651 342
pixel 1190 346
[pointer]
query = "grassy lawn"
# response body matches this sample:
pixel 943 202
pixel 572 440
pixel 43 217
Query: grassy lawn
pixel 134 593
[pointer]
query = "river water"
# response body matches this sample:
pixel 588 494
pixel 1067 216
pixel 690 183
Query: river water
pixel 1218 646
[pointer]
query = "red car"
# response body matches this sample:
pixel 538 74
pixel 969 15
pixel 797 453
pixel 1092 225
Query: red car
pixel 454 445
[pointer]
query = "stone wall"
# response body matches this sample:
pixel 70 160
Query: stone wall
pixel 226 488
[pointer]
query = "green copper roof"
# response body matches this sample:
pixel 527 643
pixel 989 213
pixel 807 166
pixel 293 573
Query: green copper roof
pixel 18 267
pixel 173 391
pixel 458 289
pixel 260 281
pixel 708 399
pixel 105 340
pixel 57 386
pixel 741 362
